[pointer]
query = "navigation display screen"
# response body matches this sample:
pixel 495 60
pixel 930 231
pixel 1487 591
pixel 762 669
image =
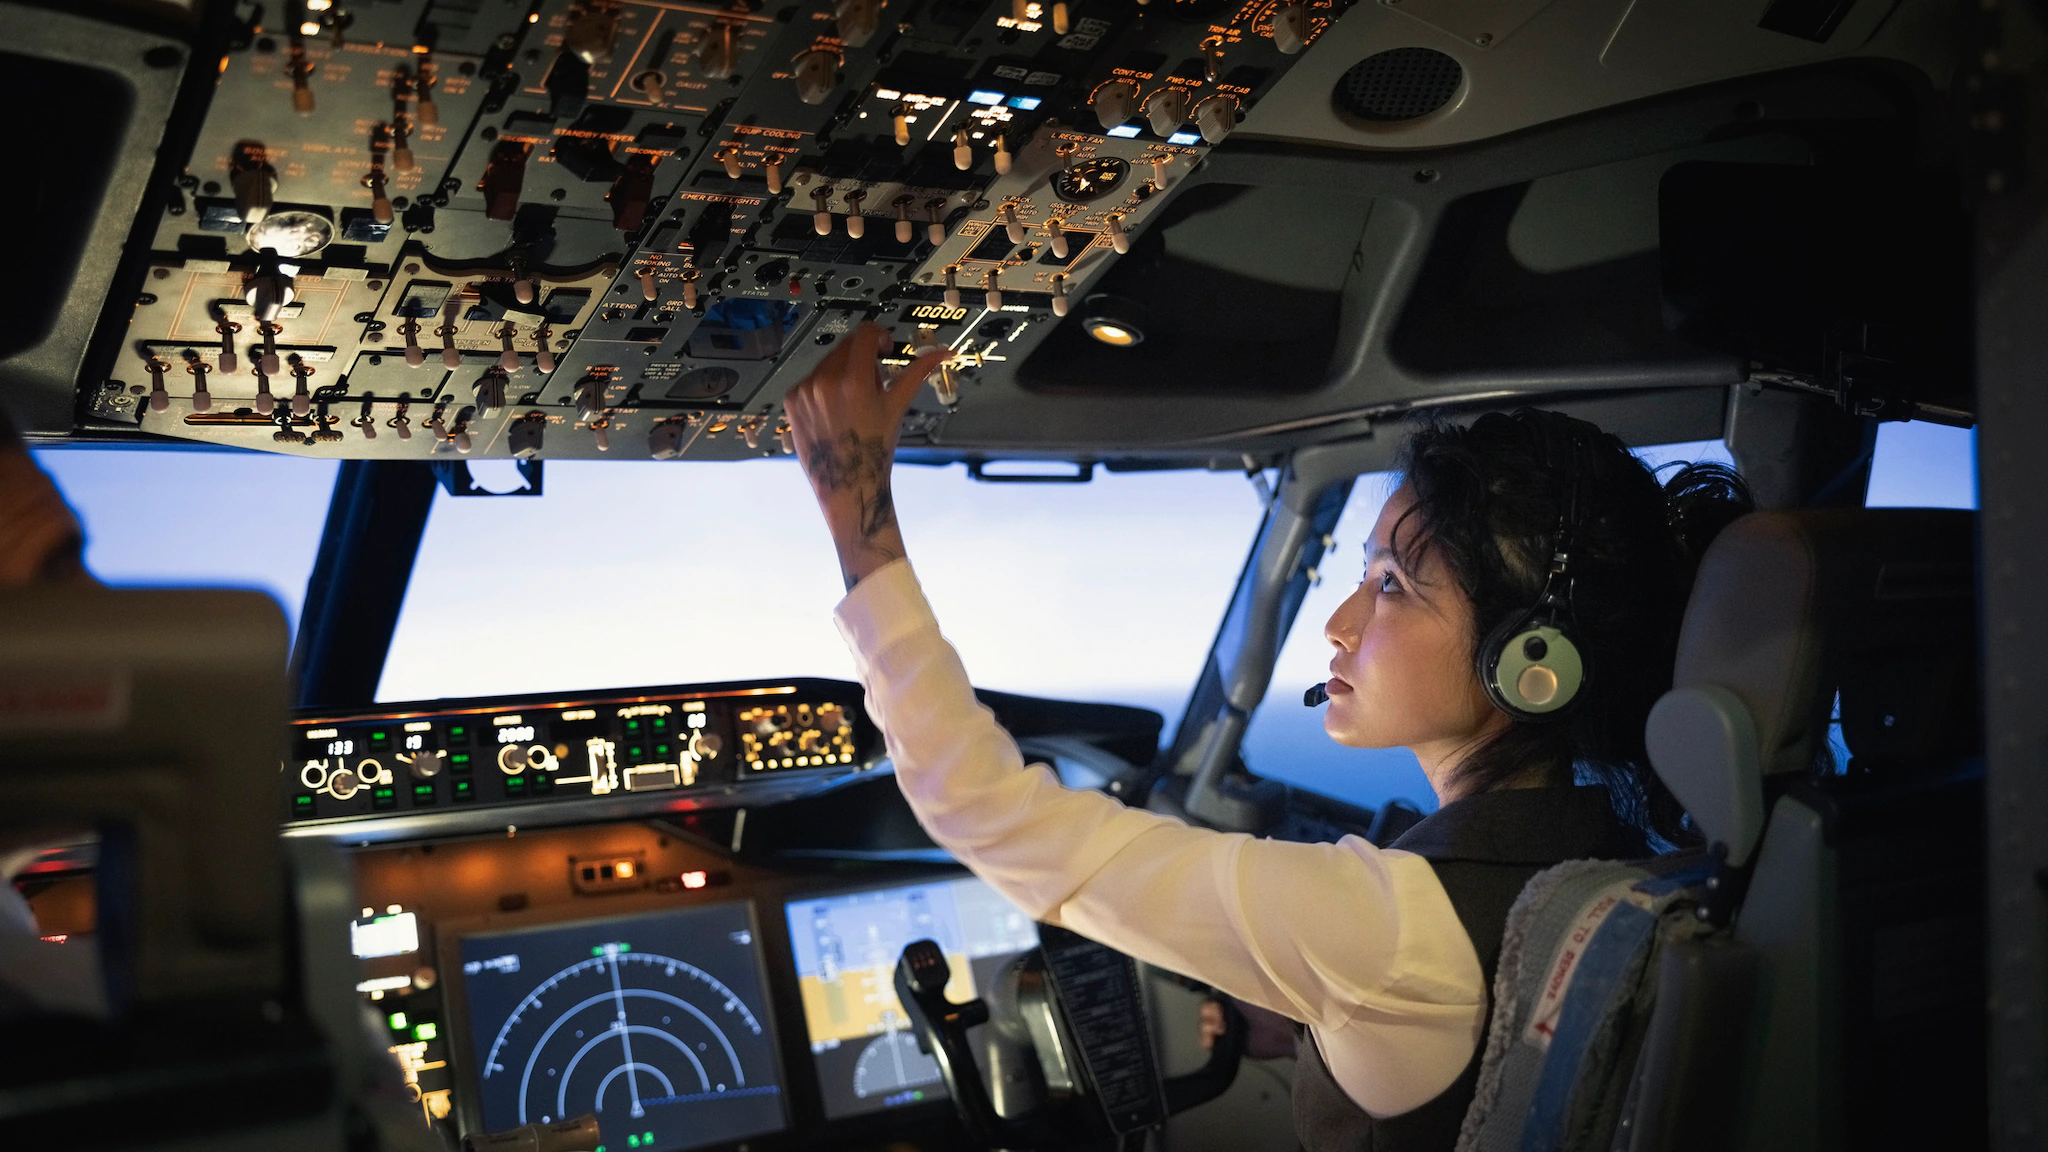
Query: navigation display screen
pixel 658 1023
pixel 846 949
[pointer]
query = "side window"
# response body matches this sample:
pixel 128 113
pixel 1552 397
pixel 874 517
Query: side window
pixel 186 518
pixel 1285 740
pixel 1923 466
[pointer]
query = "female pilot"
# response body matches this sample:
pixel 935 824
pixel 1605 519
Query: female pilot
pixel 1385 954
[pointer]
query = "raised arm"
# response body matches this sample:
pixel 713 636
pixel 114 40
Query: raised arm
pixel 1359 943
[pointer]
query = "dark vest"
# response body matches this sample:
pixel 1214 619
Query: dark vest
pixel 1484 848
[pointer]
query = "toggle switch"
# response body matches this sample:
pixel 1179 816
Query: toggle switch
pixel 429 112
pixel 817 73
pixel 543 355
pixel 254 182
pixel 649 288
pixel 265 402
pixel 963 150
pixel 935 226
pixel 899 118
pixel 302 397
pixel 1003 158
pixel 946 385
pixel 302 73
pixel 1160 162
pixel 414 354
pixel 269 359
pixel 1013 226
pixel 904 230
pixel 1113 102
pixel 508 359
pixel 773 170
pixel 159 397
pixel 992 291
pixel 366 421
pixel 601 435
pixel 1118 238
pixel 785 438
pixel 400 423
pixel 730 157
pixel 1290 27
pixel 821 216
pixel 1059 295
pixel 1212 58
pixel 461 439
pixel 1062 21
pixel 750 431
pixel 1167 110
pixel 690 288
pixel 401 151
pixel 1216 116
pixel 953 286
pixel 202 400
pixel 522 287
pixel 1058 233
pixel 227 329
pixel 451 357
pixel 856 223
pixel 380 202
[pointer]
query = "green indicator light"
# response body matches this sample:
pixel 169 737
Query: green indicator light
pixel 426 1031
pixel 597 951
pixel 625 947
pixel 661 749
pixel 423 789
pixel 377 737
pixel 632 725
pixel 647 1138
pixel 661 723
pixel 632 1141
pixel 398 1021
pixel 458 731
pixel 302 801
pixel 600 1148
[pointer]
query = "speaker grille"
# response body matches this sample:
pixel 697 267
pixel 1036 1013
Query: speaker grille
pixel 1399 84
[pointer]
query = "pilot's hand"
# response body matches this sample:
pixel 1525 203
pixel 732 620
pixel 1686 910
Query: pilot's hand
pixel 845 418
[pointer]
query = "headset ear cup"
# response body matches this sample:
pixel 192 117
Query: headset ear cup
pixel 1530 669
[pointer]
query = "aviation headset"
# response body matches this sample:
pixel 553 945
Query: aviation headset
pixel 1530 664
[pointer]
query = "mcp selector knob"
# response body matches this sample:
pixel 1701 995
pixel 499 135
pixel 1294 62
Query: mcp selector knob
pixel 817 73
pixel 1114 102
pixel 343 783
pixel 709 745
pixel 427 765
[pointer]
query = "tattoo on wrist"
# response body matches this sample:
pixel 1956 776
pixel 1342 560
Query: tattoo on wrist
pixel 857 467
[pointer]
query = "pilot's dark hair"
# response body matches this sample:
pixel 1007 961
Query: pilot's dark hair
pixel 1487 503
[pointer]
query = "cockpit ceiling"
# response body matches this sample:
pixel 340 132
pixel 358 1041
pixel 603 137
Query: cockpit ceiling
pixel 615 229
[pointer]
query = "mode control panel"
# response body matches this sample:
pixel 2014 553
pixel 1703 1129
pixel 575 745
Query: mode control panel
pixel 533 750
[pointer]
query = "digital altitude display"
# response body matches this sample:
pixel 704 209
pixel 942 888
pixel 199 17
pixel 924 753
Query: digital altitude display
pixel 657 1023
pixel 846 950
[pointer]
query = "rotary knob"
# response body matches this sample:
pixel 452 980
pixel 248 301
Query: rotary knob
pixel 709 745
pixel 427 765
pixel 512 759
pixel 1114 102
pixel 1167 110
pixel 1216 116
pixel 719 56
pixel 342 784
pixel 817 73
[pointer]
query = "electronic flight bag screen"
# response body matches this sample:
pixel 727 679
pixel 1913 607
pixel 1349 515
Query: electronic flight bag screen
pixel 657 1023
pixel 846 949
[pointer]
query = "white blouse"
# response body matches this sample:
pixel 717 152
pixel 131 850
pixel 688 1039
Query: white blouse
pixel 1359 943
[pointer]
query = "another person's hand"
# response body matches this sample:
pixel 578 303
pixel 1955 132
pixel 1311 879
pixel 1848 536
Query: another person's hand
pixel 845 418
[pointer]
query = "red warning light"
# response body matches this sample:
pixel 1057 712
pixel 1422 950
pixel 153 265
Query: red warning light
pixel 696 879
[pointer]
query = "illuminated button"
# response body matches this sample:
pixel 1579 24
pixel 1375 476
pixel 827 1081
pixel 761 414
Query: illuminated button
pixel 542 784
pixel 302 807
pixel 458 734
pixel 458 763
pixel 422 794
pixel 464 791
pixel 515 786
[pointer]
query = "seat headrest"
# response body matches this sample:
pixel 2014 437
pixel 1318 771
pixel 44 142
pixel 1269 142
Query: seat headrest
pixel 1788 609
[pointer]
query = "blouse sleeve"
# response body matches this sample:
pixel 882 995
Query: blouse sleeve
pixel 1358 942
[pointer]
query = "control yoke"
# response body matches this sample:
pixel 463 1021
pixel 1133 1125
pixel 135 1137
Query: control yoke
pixel 1073 1006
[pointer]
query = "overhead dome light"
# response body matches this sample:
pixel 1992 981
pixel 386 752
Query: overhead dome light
pixel 1114 320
